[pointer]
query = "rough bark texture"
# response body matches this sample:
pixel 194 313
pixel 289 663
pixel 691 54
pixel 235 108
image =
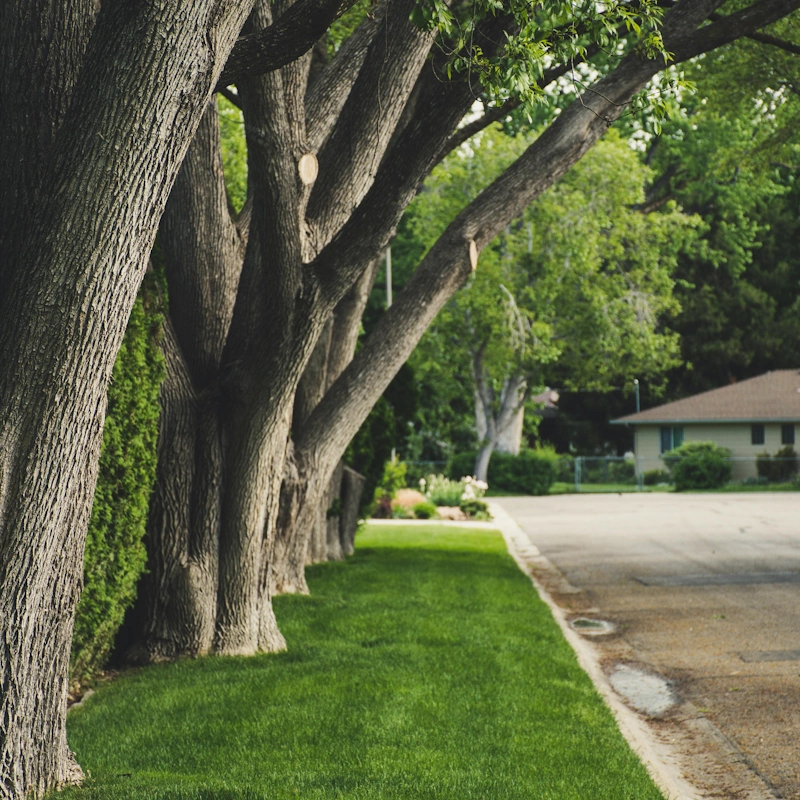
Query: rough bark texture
pixel 333 550
pixel 296 545
pixel 203 252
pixel 63 313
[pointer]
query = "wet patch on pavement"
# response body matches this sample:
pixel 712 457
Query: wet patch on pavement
pixel 592 627
pixel 647 693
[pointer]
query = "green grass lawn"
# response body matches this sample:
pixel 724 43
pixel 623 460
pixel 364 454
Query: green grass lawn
pixel 562 487
pixel 424 667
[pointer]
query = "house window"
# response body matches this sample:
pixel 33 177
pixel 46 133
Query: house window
pixel 787 434
pixel 671 437
pixel 757 434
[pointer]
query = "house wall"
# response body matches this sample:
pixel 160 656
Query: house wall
pixel 733 435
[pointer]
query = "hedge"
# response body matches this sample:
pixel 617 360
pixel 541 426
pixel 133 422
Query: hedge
pixel 115 552
pixel 531 472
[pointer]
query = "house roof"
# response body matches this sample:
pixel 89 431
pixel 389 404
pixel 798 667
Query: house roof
pixel 772 397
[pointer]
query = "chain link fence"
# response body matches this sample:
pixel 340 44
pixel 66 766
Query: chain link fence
pixel 631 473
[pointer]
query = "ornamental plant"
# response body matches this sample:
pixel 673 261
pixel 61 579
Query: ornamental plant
pixel 699 465
pixel 443 491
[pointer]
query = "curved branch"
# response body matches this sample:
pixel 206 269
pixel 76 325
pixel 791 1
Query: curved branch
pixel 284 41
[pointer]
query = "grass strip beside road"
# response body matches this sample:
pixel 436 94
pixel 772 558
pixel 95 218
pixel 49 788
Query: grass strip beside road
pixel 424 667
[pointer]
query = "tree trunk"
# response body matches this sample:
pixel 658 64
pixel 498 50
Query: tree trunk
pixel 289 555
pixel 63 315
pixel 203 252
pixel 482 459
pixel 333 515
pixel 510 439
pixel 295 545
pixel 352 492
pixel 177 594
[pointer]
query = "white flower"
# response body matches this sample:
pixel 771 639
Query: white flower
pixel 422 483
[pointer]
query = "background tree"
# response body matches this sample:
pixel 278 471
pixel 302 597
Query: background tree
pixel 571 294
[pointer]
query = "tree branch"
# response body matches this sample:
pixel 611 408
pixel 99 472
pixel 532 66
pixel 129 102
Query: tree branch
pixel 328 93
pixel 766 38
pixel 495 114
pixel 350 158
pixel 341 412
pixel 282 42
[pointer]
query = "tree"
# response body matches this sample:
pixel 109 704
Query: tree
pixel 571 294
pixel 337 417
pixel 99 111
pixel 103 108
pixel 725 159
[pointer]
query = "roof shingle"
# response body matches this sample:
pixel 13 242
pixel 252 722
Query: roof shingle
pixel 774 396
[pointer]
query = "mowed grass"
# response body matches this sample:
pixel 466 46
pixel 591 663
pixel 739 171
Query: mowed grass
pixel 424 667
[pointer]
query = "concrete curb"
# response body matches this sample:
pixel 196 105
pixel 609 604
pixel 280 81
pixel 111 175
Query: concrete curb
pixel 661 760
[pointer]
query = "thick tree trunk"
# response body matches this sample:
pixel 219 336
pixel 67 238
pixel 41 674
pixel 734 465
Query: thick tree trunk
pixel 177 594
pixel 296 545
pixel 63 315
pixel 289 556
pixel 203 254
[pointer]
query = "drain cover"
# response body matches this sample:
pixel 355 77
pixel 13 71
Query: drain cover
pixel 771 655
pixel 591 627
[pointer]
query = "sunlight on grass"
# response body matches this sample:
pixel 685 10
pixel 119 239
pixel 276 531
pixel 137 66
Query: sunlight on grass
pixel 424 667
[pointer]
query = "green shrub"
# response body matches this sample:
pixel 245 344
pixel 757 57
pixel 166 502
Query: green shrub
pixel 698 465
pixel 655 476
pixel 392 479
pixel 780 469
pixel 115 553
pixel 475 509
pixel 622 471
pixel 424 511
pixel 565 469
pixel 531 472
pixel 461 464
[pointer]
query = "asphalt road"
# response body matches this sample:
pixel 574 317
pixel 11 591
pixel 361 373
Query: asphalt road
pixel 705 590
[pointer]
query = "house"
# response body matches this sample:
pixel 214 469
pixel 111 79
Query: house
pixel 754 416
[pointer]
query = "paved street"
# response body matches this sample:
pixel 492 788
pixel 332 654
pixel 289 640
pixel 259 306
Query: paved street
pixel 705 590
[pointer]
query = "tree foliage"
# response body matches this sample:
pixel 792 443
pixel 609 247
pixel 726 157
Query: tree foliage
pixel 573 293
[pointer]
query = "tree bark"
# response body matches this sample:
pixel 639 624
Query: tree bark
pixel 333 515
pixel 297 546
pixel 63 315
pixel 352 492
